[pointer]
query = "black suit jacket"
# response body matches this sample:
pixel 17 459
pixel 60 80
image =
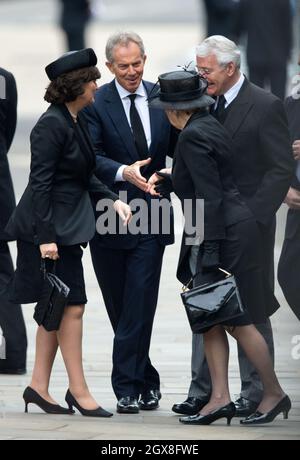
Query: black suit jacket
pixel 263 163
pixel 56 206
pixel 222 17
pixel 293 217
pixel 8 120
pixel 202 169
pixel 114 145
pixel 268 26
pixel 75 13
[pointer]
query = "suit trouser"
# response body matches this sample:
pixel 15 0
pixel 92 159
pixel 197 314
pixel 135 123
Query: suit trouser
pixel 129 281
pixel 11 317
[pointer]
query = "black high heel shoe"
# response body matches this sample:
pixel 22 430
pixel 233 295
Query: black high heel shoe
pixel 31 396
pixel 227 411
pixel 99 412
pixel 258 418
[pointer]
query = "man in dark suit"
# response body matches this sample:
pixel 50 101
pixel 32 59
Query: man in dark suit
pixel 131 143
pixel 289 266
pixel 268 27
pixel 11 317
pixel 75 15
pixel 221 17
pixel 262 168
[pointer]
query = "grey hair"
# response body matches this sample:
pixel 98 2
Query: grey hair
pixel 123 39
pixel 225 50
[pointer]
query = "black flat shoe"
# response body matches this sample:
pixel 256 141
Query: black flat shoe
pixel 31 396
pixel 128 405
pixel 244 407
pixel 150 400
pixel 227 411
pixel 258 418
pixel 98 412
pixel 191 406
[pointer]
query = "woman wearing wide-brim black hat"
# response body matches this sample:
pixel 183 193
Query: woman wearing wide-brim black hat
pixel 230 240
pixel 54 220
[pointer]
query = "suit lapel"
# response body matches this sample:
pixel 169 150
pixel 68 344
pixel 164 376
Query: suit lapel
pixel 155 122
pixel 84 144
pixel 117 114
pixel 238 112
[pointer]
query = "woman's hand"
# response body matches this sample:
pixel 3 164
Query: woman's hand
pixel 155 179
pixel 296 149
pixel 49 251
pixel 124 211
pixel 292 198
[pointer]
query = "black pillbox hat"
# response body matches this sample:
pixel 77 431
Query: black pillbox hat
pixel 72 60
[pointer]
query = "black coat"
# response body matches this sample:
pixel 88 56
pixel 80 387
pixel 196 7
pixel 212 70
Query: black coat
pixel 263 163
pixel 202 169
pixel 268 26
pixel 75 14
pixel 8 120
pixel 222 17
pixel 56 206
pixel 289 262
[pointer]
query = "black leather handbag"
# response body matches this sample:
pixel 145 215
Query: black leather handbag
pixel 212 303
pixel 49 310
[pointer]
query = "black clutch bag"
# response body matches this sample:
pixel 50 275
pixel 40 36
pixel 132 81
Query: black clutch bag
pixel 212 303
pixel 49 310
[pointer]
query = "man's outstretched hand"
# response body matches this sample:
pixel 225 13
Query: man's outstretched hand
pixel 133 174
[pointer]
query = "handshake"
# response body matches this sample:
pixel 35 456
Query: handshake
pixel 159 184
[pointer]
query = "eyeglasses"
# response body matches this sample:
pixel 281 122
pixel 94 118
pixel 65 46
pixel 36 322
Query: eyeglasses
pixel 203 70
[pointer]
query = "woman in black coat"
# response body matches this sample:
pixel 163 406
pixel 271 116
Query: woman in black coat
pixel 54 219
pixel 202 171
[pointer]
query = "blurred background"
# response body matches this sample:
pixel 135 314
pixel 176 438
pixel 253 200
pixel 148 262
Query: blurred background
pixel 31 36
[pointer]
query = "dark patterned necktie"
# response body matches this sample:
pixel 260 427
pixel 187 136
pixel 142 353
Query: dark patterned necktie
pixel 138 130
pixel 219 112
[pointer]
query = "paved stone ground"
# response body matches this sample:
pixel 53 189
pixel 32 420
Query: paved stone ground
pixel 27 49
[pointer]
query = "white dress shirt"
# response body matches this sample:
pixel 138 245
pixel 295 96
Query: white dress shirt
pixel 232 93
pixel 143 111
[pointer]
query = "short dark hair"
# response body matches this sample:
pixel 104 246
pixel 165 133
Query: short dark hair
pixel 68 86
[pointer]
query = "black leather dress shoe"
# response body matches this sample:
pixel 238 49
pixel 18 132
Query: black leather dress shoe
pixel 128 405
pixel 191 406
pixel 13 371
pixel 244 407
pixel 150 400
pixel 227 411
pixel 258 418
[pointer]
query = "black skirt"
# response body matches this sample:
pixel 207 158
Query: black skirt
pixel 26 284
pixel 240 254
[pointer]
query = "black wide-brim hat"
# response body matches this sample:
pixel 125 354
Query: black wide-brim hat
pixel 180 90
pixel 72 60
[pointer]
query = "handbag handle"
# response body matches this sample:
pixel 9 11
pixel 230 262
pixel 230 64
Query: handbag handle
pixel 43 267
pixel 185 287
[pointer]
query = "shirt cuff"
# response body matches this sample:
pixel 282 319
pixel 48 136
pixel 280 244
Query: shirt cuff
pixel 119 175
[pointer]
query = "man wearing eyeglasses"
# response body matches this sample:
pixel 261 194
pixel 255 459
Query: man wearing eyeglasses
pixel 263 167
